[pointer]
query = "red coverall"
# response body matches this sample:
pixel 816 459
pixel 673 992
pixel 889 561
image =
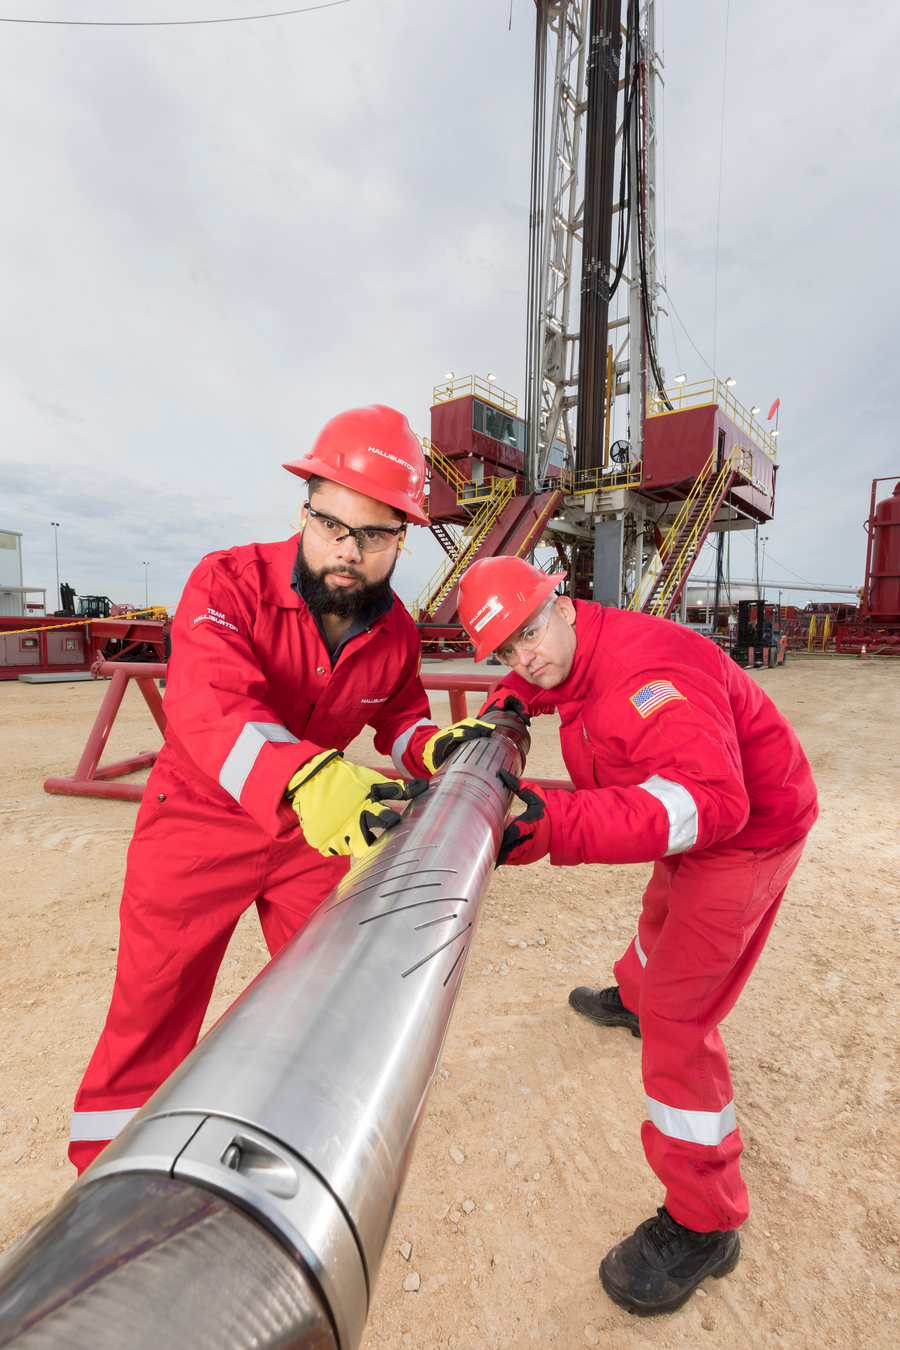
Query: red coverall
pixel 250 696
pixel 681 759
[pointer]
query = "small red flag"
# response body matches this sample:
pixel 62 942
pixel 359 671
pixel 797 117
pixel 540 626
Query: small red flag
pixel 772 409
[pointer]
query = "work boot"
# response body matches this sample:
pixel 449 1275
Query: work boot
pixel 660 1265
pixel 606 1007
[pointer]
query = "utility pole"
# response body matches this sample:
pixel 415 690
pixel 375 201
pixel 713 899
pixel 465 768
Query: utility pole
pixel 55 524
pixel 146 567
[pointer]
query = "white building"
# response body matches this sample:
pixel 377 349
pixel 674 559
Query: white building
pixel 12 591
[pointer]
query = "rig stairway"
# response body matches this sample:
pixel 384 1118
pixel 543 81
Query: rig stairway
pixel 664 580
pixel 500 522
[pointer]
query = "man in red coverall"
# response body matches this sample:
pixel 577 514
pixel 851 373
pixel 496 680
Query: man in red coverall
pixel 281 654
pixel 678 758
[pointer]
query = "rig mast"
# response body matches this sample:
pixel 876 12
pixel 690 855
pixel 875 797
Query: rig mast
pixel 604 94
pixel 626 514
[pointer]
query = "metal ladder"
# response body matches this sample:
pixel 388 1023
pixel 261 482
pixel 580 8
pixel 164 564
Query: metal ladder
pixel 490 500
pixel 662 583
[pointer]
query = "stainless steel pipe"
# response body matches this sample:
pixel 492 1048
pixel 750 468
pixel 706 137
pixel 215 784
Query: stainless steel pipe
pixel 263 1176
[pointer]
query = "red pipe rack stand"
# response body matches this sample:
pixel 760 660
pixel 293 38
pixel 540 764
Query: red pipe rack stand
pixel 90 780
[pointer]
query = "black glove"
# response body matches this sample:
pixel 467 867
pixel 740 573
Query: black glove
pixel 509 705
pixel 531 827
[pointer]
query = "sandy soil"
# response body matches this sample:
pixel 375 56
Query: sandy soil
pixel 543 1107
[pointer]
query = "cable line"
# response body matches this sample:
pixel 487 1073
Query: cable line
pixel 174 23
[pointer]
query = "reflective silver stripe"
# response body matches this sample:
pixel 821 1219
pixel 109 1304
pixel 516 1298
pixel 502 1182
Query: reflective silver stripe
pixel 640 951
pixel 398 749
pixel 100 1124
pixel 695 1127
pixel 684 824
pixel 236 769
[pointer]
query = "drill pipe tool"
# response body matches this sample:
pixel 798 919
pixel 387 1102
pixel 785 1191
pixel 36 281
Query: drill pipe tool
pixel 249 1202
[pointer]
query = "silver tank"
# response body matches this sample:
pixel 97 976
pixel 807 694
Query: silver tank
pixel 249 1202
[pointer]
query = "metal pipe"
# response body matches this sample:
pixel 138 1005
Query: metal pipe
pixel 299 1111
pixel 599 176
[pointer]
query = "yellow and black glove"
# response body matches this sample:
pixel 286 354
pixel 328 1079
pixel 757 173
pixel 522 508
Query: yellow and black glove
pixel 339 803
pixel 510 704
pixel 441 746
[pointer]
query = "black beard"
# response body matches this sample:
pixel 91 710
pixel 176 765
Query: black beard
pixel 343 604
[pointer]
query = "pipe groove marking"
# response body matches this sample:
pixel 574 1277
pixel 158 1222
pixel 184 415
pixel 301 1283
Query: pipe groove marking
pixel 387 881
pixel 351 879
pixel 474 785
pixel 423 886
pixel 417 904
pixel 456 963
pixel 366 868
pixel 445 918
pixel 407 862
pixel 365 864
pixel 478 749
pixel 435 952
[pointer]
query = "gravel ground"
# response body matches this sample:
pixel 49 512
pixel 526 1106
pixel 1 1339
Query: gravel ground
pixel 529 1165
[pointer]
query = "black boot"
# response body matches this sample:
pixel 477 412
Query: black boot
pixel 660 1265
pixel 606 1007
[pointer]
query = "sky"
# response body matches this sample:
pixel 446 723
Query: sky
pixel 214 238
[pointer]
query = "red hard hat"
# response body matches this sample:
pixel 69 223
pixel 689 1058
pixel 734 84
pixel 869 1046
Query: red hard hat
pixel 374 451
pixel 497 595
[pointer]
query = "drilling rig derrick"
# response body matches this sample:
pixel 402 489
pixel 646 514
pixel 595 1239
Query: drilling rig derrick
pixel 623 477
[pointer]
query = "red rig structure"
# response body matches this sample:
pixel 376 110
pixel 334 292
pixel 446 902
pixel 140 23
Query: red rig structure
pixel 876 624
pixel 627 532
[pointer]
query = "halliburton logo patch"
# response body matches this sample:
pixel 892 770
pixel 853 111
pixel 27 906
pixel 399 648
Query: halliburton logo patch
pixel 215 616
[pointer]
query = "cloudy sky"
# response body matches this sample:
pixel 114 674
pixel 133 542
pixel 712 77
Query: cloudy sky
pixel 213 238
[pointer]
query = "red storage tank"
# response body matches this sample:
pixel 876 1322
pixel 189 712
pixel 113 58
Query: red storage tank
pixel 884 578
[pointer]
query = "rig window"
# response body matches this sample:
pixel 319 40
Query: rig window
pixel 500 427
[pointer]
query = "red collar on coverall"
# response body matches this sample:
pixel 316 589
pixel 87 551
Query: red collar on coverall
pixel 250 682
pixel 362 622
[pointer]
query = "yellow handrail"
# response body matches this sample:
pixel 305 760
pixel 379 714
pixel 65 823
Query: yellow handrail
pixel 502 490
pixel 811 636
pixel 581 481
pixel 650 577
pixel 474 384
pixel 701 395
pixel 445 467
pixel 677 559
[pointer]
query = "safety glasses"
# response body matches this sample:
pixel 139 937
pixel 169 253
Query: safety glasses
pixel 367 539
pixel 528 638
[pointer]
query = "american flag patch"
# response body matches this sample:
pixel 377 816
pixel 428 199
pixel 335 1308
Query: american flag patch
pixel 654 695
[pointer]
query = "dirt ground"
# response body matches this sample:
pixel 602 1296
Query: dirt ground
pixel 543 1107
